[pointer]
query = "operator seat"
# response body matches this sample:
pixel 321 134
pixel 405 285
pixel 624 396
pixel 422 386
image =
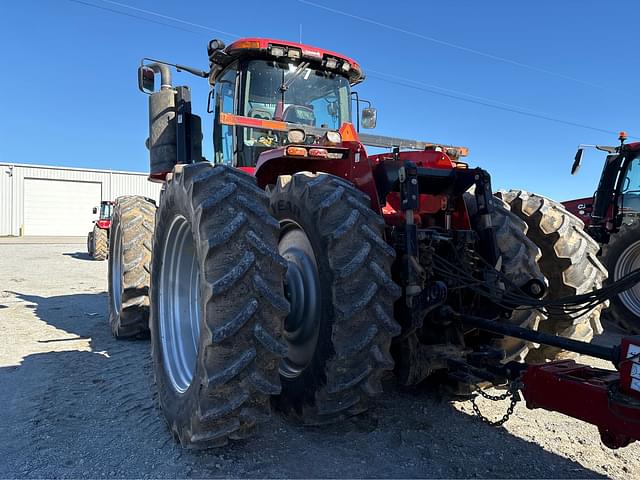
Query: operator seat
pixel 262 114
pixel 300 114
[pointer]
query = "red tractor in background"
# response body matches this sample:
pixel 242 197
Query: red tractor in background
pixel 612 217
pixel 98 238
pixel 296 270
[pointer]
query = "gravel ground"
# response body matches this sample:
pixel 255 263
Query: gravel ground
pixel 77 403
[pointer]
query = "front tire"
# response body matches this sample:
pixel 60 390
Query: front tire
pixel 217 305
pixel 90 243
pixel 341 323
pixel 100 244
pixel 621 256
pixel 132 226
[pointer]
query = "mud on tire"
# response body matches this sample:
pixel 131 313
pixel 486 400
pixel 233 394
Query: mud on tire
pixel 568 261
pixel 132 226
pixel 216 220
pixel 356 296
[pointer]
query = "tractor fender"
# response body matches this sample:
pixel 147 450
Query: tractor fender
pixel 356 168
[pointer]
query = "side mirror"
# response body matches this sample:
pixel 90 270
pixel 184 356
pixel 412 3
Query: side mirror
pixel 146 79
pixel 369 117
pixel 576 161
pixel 95 210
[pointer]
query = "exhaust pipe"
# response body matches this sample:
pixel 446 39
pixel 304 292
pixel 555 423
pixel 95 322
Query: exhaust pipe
pixel 162 142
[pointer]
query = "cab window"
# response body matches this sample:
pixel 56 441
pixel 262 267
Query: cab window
pixel 631 187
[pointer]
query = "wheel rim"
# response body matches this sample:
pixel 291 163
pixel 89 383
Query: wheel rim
pixel 302 288
pixel 628 262
pixel 116 270
pixel 179 299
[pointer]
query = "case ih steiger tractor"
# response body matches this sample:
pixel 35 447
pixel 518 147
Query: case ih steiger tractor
pixel 98 238
pixel 295 270
pixel 612 217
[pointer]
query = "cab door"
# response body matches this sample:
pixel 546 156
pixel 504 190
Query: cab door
pixel 224 136
pixel 629 188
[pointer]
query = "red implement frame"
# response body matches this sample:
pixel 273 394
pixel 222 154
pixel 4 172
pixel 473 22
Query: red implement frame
pixel 589 394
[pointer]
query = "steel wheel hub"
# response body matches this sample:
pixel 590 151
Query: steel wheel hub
pixel 628 262
pixel 179 305
pixel 302 289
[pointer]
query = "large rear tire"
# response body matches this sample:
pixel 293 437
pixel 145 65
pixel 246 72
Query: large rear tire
pixel 132 226
pixel 568 261
pixel 341 324
pixel 100 240
pixel 217 305
pixel 621 256
pixel 519 264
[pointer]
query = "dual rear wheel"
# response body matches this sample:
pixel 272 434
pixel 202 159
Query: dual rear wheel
pixel 260 298
pixel 569 262
pixel 281 297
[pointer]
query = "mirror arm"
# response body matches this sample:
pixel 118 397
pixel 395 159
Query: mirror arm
pixel 162 67
pixel 355 94
pixel 192 71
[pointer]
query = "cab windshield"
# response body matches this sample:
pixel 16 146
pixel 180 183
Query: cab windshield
pixel 105 211
pixel 294 94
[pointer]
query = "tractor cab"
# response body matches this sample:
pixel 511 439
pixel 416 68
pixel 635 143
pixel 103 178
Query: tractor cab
pixel 104 214
pixel 105 210
pixel 618 192
pixel 263 88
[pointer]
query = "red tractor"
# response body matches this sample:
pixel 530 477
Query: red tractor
pixel 612 217
pixel 98 238
pixel 295 270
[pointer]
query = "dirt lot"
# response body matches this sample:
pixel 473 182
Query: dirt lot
pixel 77 403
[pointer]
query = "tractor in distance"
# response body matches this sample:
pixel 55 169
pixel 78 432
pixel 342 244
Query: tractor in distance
pixel 98 238
pixel 295 271
pixel 612 217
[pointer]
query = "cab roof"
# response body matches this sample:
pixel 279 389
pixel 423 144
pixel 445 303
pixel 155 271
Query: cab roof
pixel 273 48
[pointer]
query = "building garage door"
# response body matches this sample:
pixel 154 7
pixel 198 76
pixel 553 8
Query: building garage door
pixel 59 207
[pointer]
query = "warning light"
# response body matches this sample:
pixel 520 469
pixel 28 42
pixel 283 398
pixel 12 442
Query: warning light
pixel 245 44
pixel 318 152
pixel 297 151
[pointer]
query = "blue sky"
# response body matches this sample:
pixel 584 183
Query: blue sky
pixel 70 96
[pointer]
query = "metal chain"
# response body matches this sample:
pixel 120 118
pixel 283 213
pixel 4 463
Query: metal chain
pixel 512 392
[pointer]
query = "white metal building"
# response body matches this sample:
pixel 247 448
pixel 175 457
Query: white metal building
pixel 46 200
